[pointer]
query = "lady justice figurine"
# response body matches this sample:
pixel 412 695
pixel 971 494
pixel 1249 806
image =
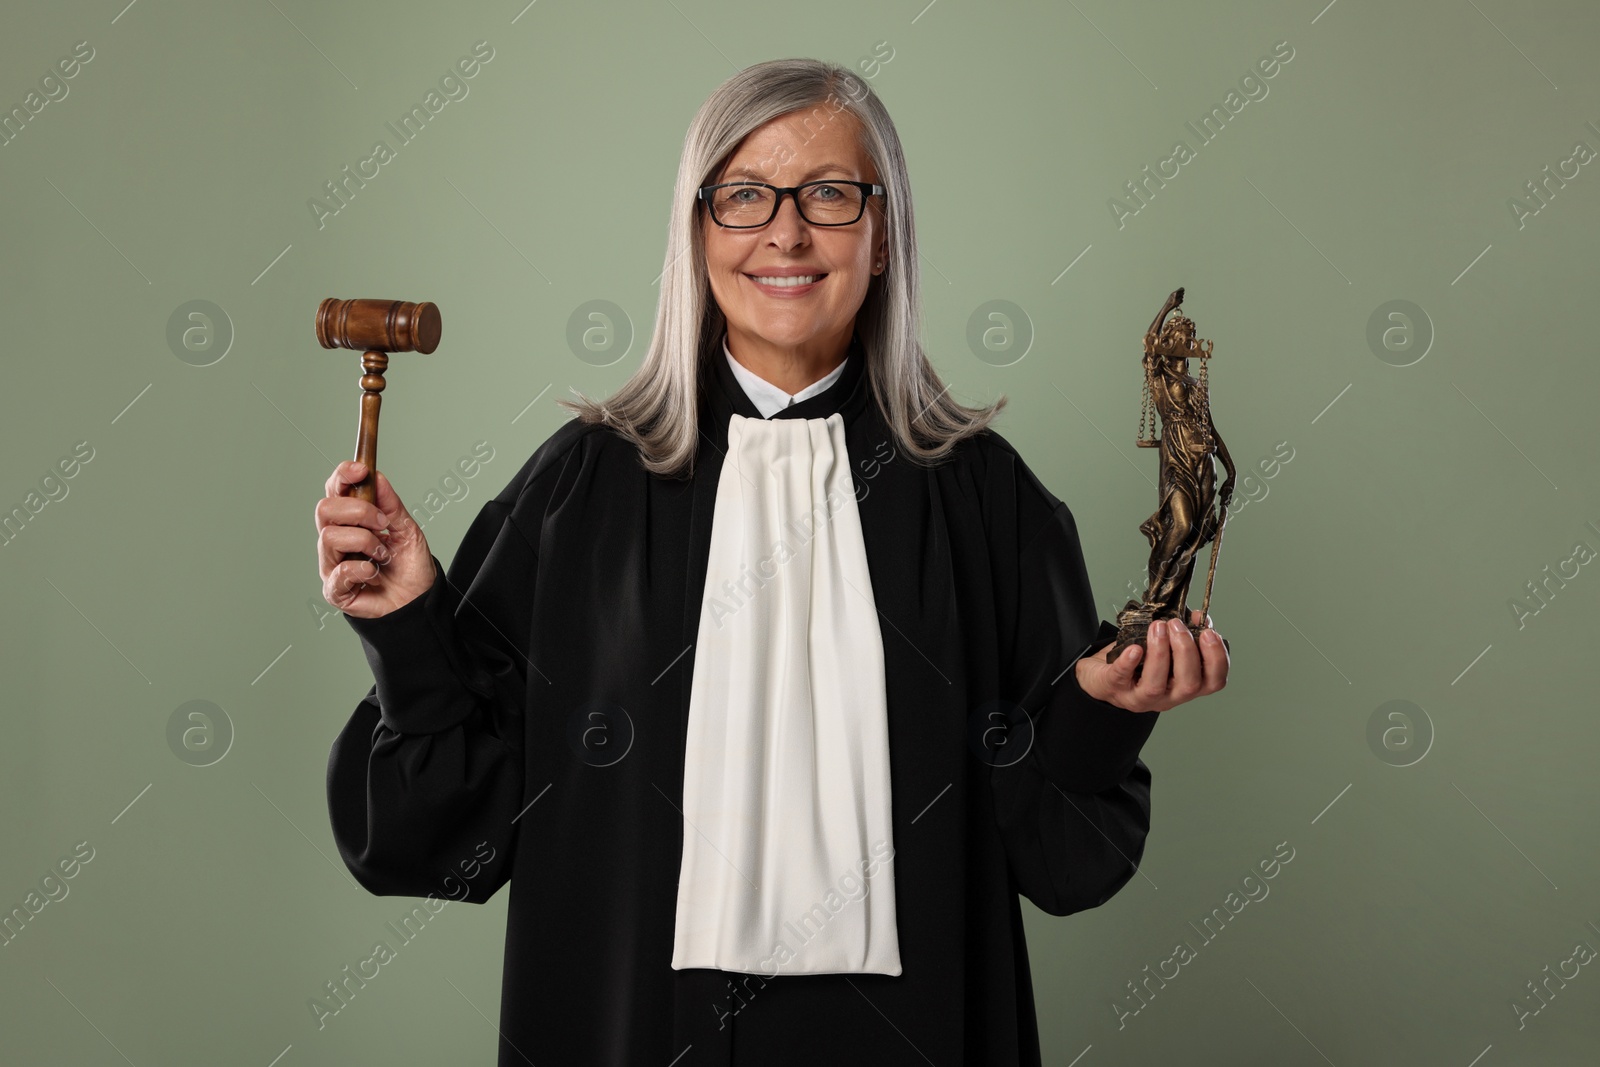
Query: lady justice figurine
pixel 1189 512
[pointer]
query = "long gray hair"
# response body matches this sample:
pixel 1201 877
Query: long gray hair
pixel 657 408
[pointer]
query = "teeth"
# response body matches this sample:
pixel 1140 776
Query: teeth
pixel 785 283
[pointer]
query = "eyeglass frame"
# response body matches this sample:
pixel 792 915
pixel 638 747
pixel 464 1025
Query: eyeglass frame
pixel 868 189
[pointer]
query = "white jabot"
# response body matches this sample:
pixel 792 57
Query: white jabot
pixel 767 397
pixel 787 840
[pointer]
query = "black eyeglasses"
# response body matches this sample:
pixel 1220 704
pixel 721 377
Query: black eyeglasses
pixel 748 205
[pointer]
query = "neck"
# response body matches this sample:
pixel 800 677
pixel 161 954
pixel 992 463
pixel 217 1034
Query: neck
pixel 790 368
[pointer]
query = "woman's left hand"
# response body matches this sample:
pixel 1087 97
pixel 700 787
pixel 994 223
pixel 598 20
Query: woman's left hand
pixel 1178 668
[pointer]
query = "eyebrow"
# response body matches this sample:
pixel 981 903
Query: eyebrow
pixel 751 172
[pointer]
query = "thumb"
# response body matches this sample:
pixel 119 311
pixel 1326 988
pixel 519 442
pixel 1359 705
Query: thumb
pixel 388 502
pixel 1118 674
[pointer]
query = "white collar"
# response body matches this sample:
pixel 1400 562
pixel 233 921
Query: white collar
pixel 768 398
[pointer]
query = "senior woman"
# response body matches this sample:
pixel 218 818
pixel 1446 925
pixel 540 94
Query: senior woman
pixel 765 682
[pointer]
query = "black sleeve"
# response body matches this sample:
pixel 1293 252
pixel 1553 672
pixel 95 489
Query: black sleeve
pixel 426 778
pixel 1075 810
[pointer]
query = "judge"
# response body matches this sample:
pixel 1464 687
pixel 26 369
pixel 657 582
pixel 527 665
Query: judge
pixel 769 682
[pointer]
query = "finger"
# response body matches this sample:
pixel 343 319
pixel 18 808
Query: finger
pixel 343 477
pixel 1215 654
pixel 349 511
pixel 1187 670
pixel 334 543
pixel 347 579
pixel 1152 685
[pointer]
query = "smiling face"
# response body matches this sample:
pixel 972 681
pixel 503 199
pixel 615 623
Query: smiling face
pixel 809 325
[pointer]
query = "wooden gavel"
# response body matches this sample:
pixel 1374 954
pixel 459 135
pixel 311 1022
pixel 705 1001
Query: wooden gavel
pixel 375 328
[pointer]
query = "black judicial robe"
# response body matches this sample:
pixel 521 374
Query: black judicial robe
pixel 572 606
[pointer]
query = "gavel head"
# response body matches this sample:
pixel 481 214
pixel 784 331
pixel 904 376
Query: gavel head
pixel 378 325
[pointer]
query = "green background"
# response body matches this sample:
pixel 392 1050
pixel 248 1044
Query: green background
pixel 1379 564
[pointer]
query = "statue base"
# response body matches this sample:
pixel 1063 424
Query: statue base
pixel 1133 628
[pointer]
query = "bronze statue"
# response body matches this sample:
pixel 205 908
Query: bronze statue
pixel 1189 512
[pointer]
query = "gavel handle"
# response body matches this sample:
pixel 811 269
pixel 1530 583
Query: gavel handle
pixel 367 454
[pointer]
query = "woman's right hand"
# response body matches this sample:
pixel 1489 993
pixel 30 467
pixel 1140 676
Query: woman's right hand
pixel 349 524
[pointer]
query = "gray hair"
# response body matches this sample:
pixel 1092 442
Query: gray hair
pixel 657 408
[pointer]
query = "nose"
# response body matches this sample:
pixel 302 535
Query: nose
pixel 788 226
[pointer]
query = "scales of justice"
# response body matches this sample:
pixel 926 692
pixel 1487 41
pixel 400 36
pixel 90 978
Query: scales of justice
pixel 1190 512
